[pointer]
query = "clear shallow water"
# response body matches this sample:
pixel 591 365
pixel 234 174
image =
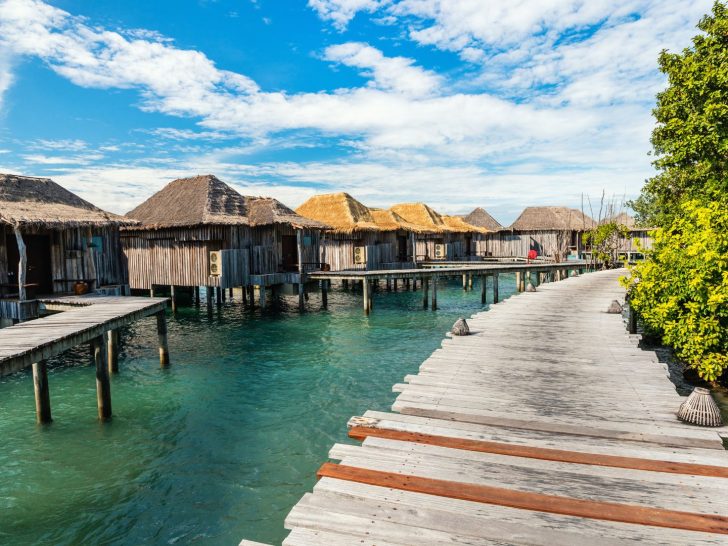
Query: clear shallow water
pixel 222 444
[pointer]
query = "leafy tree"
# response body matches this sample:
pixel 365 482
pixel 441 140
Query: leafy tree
pixel 691 138
pixel 681 290
pixel 605 241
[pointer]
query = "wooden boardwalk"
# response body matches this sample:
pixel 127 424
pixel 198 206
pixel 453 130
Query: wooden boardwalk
pixel 547 426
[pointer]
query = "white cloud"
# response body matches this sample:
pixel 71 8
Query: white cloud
pixel 341 12
pixel 6 76
pixel 387 73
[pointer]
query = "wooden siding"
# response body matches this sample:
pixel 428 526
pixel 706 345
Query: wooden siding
pixel 181 256
pixel 337 249
pixel 517 243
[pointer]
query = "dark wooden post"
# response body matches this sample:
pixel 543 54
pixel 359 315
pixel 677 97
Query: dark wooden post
pixel 151 292
pixel 261 296
pixel 631 320
pixel 42 393
pixel 394 282
pixel 470 281
pixel 162 335
pixel 221 294
pixel 434 293
pixel 465 281
pixel 518 281
pixel 325 293
pixel 365 289
pixel 218 295
pixel 483 288
pixel 112 349
pixel 22 264
pixel 230 292
pixel 103 385
pixel 173 297
pixel 197 296
pixel 209 291
pixel 495 288
pixel 425 292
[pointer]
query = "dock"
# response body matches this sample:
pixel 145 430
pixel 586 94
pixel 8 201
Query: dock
pixel 547 425
pixel 430 273
pixel 77 320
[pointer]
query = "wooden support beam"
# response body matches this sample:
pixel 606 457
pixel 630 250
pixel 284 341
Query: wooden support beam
pixel 518 281
pixel 162 336
pixel 244 294
pixel 262 296
pixel 210 292
pixel 325 293
pixel 218 295
pixel 526 500
pixel 301 292
pixel 434 293
pixel 173 297
pixel 42 393
pixel 425 292
pixel 495 288
pixel 230 292
pixel 631 320
pixel 483 288
pixel 103 385
pixel 221 294
pixel 197 296
pixel 151 292
pixel 22 264
pixel 465 281
pixel 366 288
pixel 112 349
pixel 470 281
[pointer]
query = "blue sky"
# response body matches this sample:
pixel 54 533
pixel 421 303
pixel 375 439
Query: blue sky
pixel 458 103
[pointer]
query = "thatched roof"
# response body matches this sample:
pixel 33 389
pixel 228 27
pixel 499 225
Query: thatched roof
pixel 552 219
pixel 481 218
pixel 421 215
pixel 40 202
pixel 340 211
pixel 267 211
pixel 388 220
pixel 457 223
pixel 207 200
pixel 626 220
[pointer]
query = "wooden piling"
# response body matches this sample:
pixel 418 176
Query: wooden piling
pixel 151 292
pixel 42 393
pixel 162 335
pixel 261 296
pixel 218 295
pixel 209 291
pixel 197 296
pixel 518 281
pixel 483 288
pixel 495 288
pixel 345 284
pixel 325 293
pixel 631 320
pixel 465 281
pixel 301 291
pixel 365 290
pixel 434 293
pixel 470 281
pixel 173 297
pixel 425 292
pixel 394 283
pixel 221 294
pixel 112 349
pixel 103 385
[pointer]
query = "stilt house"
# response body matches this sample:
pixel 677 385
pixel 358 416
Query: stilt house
pixel 637 238
pixel 470 238
pixel 553 232
pixel 481 218
pixel 52 241
pixel 201 232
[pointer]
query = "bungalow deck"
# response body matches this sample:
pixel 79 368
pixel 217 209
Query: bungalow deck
pixel 564 433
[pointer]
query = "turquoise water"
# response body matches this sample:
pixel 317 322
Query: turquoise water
pixel 222 444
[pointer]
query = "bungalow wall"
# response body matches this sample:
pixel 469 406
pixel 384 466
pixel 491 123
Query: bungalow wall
pixel 518 243
pixel 68 255
pixel 636 241
pixel 181 256
pixel 382 247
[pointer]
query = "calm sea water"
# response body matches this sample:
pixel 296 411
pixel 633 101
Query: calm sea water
pixel 222 444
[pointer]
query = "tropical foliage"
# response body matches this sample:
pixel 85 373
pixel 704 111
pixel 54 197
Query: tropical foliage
pixel 681 290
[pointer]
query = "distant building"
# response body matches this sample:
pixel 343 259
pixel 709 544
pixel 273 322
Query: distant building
pixel 553 232
pixel 51 240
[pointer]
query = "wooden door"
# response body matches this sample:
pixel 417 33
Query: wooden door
pixel 402 248
pixel 38 270
pixel 290 253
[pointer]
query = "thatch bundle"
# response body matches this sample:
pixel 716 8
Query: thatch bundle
pixel 459 225
pixel 207 200
pixel 340 211
pixel 421 215
pixel 388 220
pixel 40 202
pixel 624 219
pixel 552 219
pixel 481 218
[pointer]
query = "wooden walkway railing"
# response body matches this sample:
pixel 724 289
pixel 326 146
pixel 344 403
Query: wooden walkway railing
pixel 546 426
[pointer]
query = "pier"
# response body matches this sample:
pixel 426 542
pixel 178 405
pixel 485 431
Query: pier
pixel 429 274
pixel 548 425
pixel 78 320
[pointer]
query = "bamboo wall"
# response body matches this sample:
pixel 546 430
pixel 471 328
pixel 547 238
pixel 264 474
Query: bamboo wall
pixel 337 249
pixel 517 243
pixel 73 256
pixel 181 256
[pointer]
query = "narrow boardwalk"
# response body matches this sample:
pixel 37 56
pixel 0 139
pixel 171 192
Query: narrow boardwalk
pixel 82 320
pixel 547 426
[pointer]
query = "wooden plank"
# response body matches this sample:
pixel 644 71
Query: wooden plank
pixel 532 501
pixel 361 433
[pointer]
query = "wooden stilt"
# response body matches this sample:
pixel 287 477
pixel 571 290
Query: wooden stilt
pixel 365 287
pixel 103 385
pixel 518 281
pixel 209 292
pixel 301 291
pixel 231 293
pixel 262 295
pixel 244 293
pixel 414 285
pixel 483 288
pixel 434 293
pixel 495 288
pixel 389 285
pixel 395 284
pixel 465 281
pixel 42 393
pixel 425 293
pixel 173 297
pixel 345 284
pixel 470 281
pixel 112 349
pixel 631 320
pixel 221 294
pixel 151 292
pixel 325 293
pixel 197 296
pixel 162 335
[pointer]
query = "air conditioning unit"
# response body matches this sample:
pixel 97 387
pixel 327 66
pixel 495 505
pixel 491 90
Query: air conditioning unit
pixel 360 255
pixel 440 252
pixel 215 263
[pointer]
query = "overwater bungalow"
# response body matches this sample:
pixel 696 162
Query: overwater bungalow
pixel 54 242
pixel 472 238
pixel 481 218
pixel 637 238
pixel 440 238
pixel 199 231
pixel 552 232
pixel 359 237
